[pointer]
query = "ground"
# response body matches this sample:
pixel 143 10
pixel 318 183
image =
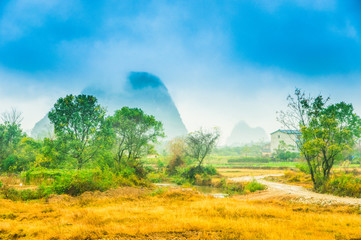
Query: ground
pixel 173 213
pixel 298 193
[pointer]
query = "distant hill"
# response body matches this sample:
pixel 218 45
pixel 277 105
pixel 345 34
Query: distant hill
pixel 242 133
pixel 142 90
pixel 43 129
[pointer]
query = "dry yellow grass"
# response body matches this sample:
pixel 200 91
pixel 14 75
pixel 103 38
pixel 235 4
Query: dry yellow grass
pixel 241 172
pixel 129 213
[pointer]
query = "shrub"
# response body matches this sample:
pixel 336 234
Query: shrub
pixel 303 168
pixel 157 177
pixel 25 195
pixel 343 185
pixel 174 163
pixel 203 180
pixel 255 186
pixel 189 173
pixel 234 187
pixel 80 181
pixel 40 175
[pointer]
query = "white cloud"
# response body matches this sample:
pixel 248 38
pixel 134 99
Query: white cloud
pixel 207 88
pixel 21 16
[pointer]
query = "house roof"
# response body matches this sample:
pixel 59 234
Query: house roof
pixel 287 131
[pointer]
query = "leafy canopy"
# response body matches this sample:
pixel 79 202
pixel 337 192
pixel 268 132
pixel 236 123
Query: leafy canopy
pixel 328 131
pixel 77 120
pixel 134 133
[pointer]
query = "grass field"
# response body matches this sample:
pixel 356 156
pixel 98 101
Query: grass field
pixel 241 172
pixel 129 213
pixel 222 161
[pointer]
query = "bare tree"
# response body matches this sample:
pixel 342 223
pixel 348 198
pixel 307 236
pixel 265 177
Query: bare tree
pixel 201 143
pixel 13 117
pixel 296 116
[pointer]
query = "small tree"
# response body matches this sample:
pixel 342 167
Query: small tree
pixel 200 143
pixel 332 131
pixel 135 133
pixel 327 131
pixel 177 150
pixel 10 137
pixel 77 120
pixel 13 117
pixel 285 152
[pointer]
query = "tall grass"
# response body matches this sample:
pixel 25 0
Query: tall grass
pixel 129 213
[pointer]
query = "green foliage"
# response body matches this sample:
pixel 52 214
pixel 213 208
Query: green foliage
pixel 331 131
pixel 24 195
pixel 234 188
pixel 254 186
pixel 10 137
pixel 189 173
pixel 134 134
pixel 39 175
pixel 250 160
pixel 157 177
pixel 303 168
pixel 84 141
pixel 343 185
pixel 328 131
pixel 240 187
pixel 285 153
pixel 77 121
pixel 77 182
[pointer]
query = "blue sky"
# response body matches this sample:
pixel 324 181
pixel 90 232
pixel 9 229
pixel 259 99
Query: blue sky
pixel 222 61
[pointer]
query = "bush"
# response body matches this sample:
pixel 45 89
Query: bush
pixel 25 195
pixel 234 188
pixel 157 177
pixel 40 175
pixel 77 182
pixel 255 186
pixel 174 163
pixel 203 180
pixel 343 185
pixel 303 168
pixel 189 173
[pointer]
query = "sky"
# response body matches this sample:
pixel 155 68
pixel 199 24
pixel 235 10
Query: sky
pixel 222 61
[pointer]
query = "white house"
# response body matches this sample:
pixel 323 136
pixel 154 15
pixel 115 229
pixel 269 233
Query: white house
pixel 289 137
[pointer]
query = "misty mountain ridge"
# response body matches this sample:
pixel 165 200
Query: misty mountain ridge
pixel 141 90
pixel 243 134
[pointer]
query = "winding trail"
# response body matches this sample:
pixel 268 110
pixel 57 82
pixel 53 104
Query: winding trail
pixel 302 194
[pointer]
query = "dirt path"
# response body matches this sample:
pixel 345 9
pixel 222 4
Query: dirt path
pixel 302 194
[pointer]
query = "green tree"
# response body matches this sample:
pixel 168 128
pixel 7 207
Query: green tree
pixel 327 131
pixel 77 120
pixel 200 143
pixel 332 131
pixel 10 137
pixel 283 152
pixel 134 133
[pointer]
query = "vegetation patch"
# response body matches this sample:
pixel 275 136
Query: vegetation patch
pixel 343 185
pixel 133 213
pixel 294 178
